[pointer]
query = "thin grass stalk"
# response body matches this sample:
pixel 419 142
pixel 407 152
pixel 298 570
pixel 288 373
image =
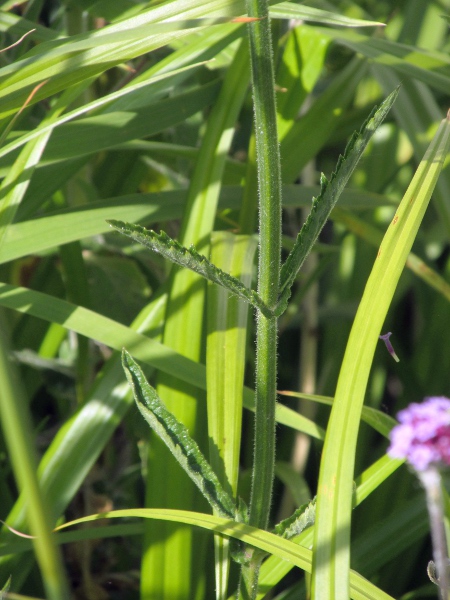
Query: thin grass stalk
pixel 269 182
pixel 18 434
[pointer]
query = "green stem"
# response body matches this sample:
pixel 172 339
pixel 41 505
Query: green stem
pixel 268 161
pixel 269 183
pixel 18 433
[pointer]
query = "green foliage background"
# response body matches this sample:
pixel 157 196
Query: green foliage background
pixel 142 112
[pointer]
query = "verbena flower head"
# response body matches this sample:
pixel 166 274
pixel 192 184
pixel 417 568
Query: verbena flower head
pixel 423 436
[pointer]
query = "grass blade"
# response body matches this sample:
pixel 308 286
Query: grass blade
pixel 183 331
pixel 332 532
pixel 360 589
pixel 225 363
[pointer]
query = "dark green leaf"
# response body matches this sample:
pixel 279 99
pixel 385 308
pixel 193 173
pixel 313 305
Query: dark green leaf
pixel 329 195
pixel 176 437
pixel 190 259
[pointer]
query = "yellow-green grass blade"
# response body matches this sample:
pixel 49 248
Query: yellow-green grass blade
pixel 44 233
pixel 290 10
pixel 18 433
pixel 274 569
pixel 102 329
pixel 225 363
pixel 300 67
pixel 330 578
pixel 360 588
pixel 64 63
pixel 377 419
pixel 174 568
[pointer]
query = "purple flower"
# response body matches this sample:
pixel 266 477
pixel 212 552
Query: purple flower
pixel 423 436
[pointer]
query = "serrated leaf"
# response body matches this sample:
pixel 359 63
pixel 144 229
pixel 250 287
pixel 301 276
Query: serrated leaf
pixel 190 259
pixel 176 437
pixel 325 202
pixel 302 518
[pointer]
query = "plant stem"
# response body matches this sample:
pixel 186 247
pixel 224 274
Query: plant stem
pixel 269 183
pixel 431 481
pixel 18 433
pixel 268 162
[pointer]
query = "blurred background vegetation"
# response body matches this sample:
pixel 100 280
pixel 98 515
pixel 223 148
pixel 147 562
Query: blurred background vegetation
pixel 134 158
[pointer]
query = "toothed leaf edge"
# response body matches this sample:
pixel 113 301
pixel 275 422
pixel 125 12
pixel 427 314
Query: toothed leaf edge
pixel 190 259
pixel 176 437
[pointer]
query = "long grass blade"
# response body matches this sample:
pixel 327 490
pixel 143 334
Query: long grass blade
pixel 225 363
pixel 183 331
pixel 332 532
pixel 361 589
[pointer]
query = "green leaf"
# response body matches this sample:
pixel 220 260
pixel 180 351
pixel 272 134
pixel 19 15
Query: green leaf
pixel 325 202
pixel 176 437
pixel 360 588
pixel 300 520
pixel 190 259
pixel 290 10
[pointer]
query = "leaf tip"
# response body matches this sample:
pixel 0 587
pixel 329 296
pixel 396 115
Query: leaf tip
pixel 115 224
pixel 127 360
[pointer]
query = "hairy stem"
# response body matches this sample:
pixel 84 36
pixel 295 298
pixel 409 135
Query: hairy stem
pixel 268 164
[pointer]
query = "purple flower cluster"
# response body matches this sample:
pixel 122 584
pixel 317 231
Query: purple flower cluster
pixel 423 436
